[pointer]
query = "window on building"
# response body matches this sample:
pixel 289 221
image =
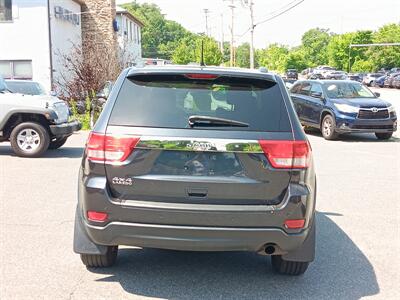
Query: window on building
pixel 137 34
pixel 16 69
pixel 134 32
pixel 131 30
pixel 5 10
pixel 126 29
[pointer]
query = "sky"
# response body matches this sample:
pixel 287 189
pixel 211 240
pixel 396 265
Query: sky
pixel 338 16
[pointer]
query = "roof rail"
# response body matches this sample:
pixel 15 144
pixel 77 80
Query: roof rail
pixel 263 70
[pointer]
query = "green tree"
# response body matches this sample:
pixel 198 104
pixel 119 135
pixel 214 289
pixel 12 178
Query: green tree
pixel 361 65
pixel 212 52
pixel 338 50
pixel 243 55
pixel 189 50
pixel 185 52
pixel 160 36
pixel 274 57
pixel 296 59
pixel 388 56
pixel 315 42
pixel 227 53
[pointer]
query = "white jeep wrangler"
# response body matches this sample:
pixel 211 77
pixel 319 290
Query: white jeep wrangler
pixel 33 124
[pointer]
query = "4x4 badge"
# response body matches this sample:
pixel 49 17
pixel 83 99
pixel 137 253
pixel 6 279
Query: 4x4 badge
pixel 122 181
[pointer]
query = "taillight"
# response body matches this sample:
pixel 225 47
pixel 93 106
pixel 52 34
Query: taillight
pixel 97 216
pixel 109 148
pixel 295 224
pixel 287 154
pixel 201 76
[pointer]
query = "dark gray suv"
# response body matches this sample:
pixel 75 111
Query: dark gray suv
pixel 199 159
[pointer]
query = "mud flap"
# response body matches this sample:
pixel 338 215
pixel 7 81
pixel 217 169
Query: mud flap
pixel 306 252
pixel 82 243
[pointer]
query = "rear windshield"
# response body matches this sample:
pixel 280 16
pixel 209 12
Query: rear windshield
pixel 167 101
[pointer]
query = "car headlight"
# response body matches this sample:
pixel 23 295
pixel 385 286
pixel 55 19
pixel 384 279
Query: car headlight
pixel 391 109
pixel 346 108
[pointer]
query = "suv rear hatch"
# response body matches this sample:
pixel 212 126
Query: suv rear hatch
pixel 198 139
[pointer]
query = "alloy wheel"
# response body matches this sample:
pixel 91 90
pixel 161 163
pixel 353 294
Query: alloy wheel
pixel 327 127
pixel 28 140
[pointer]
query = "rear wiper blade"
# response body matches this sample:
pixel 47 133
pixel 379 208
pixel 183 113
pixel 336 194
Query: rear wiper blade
pixel 213 121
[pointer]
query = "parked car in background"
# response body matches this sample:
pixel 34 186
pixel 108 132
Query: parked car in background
pixel 396 82
pixel 384 71
pixel 289 82
pixel 394 70
pixel 292 74
pixel 337 75
pixel 370 77
pixel 198 159
pixel 307 71
pixel 33 123
pixel 316 76
pixel 379 82
pixel 354 77
pixel 27 87
pixel 323 70
pixel 389 80
pixel 337 107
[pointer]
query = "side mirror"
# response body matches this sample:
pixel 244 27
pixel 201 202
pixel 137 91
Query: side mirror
pixel 317 95
pixel 377 94
pixel 53 93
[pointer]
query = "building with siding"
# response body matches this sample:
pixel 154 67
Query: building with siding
pixel 34 34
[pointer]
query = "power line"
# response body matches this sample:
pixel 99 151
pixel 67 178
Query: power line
pixel 278 10
pixel 275 14
pixel 281 13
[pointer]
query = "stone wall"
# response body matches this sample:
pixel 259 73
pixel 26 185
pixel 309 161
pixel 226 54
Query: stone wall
pixel 97 28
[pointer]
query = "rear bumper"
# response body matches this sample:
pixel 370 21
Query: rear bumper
pixel 195 227
pixel 195 238
pixel 65 128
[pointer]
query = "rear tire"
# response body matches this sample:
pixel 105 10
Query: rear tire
pixel 101 260
pixel 328 126
pixel 57 143
pixel 29 139
pixel 383 135
pixel 286 267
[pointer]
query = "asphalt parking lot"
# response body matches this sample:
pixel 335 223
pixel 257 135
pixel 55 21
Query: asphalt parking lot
pixel 358 237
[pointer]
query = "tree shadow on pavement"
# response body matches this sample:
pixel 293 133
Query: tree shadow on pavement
pixel 66 152
pixel 340 271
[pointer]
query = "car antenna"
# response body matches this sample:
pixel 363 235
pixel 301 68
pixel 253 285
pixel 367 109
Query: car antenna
pixel 202 64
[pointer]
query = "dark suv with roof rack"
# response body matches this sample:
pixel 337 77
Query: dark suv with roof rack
pixel 199 159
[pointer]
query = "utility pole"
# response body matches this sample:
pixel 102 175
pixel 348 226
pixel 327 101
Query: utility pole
pixel 251 35
pixel 232 7
pixel 206 11
pixel 222 34
pixel 250 4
